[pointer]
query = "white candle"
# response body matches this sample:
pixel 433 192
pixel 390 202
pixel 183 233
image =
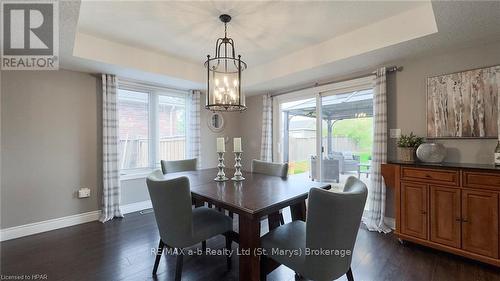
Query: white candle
pixel 237 145
pixel 221 145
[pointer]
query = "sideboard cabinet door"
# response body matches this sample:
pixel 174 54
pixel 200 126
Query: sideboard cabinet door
pixel 414 209
pixel 480 222
pixel 445 215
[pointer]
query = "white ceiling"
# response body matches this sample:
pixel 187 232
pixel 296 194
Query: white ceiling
pixel 262 31
pixel 287 44
pixel 461 24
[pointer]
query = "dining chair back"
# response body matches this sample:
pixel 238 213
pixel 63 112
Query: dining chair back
pixel 270 168
pixel 179 225
pixel 178 165
pixel 171 201
pixel 333 220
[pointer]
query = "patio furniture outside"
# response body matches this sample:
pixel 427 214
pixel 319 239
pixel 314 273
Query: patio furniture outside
pixel 348 161
pixel 330 170
pixel 366 170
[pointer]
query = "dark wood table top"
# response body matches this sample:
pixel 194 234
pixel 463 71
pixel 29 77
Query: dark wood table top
pixel 256 196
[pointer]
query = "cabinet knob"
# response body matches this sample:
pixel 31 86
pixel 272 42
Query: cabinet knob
pixel 423 212
pixel 458 219
pixel 465 220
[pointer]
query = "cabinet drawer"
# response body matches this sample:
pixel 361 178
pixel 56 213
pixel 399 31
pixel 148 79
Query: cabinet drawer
pixel 482 180
pixel 449 177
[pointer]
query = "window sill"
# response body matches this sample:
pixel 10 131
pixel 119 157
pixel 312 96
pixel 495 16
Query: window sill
pixel 135 175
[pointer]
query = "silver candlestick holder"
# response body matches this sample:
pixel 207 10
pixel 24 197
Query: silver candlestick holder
pixel 221 176
pixel 238 176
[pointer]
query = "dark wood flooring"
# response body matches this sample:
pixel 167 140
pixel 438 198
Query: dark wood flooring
pixel 121 250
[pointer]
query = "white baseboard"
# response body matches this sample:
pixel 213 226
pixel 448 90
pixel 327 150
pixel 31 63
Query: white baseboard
pixel 43 226
pixel 52 224
pixel 137 206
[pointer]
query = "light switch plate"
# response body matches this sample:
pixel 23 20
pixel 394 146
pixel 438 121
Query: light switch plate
pixel 395 133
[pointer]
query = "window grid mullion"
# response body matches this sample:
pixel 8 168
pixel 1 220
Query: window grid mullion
pixel 154 128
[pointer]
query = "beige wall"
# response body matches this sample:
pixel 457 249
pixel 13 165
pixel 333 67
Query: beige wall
pixel 208 138
pixel 406 105
pixel 251 130
pixel 50 145
pixel 407 94
pixel 51 135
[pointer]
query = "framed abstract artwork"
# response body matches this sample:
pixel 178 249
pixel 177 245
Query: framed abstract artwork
pixel 464 104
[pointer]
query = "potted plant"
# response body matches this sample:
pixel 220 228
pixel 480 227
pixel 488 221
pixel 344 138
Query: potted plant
pixel 407 145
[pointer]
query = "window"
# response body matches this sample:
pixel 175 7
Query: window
pixel 152 127
pixel 133 112
pixel 172 129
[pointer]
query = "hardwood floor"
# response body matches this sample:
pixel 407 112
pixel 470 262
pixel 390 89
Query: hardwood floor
pixel 122 250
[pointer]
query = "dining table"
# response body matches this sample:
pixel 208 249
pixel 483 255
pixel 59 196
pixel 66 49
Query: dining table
pixel 257 197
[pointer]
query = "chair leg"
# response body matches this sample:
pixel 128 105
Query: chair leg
pixel 349 275
pixel 204 245
pixel 263 268
pixel 228 247
pixel 178 266
pixel 159 252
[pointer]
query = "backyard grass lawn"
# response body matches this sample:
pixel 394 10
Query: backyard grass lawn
pixel 299 167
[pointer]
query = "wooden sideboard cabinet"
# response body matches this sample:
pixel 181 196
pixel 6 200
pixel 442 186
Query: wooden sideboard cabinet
pixel 451 207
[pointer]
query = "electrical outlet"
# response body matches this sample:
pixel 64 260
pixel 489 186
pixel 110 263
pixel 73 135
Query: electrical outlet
pixel 395 133
pixel 83 192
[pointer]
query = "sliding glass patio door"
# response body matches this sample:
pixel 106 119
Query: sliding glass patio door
pixel 299 134
pixel 325 133
pixel 346 135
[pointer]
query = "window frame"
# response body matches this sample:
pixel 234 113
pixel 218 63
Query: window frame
pixel 154 92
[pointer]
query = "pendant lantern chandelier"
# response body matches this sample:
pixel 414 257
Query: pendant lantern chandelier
pixel 224 75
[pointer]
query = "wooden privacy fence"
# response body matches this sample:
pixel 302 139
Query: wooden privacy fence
pixel 301 149
pixel 134 153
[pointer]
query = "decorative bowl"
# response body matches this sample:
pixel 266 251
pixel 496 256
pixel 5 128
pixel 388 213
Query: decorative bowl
pixel 431 152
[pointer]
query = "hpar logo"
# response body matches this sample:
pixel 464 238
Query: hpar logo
pixel 30 35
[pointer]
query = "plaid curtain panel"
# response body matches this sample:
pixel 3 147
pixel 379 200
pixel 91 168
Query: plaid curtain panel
pixel 266 148
pixel 110 168
pixel 194 126
pixel 374 219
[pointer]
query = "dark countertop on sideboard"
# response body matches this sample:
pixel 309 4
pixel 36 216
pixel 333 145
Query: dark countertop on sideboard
pixel 447 165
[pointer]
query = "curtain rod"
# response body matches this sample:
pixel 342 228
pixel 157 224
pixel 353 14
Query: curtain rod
pixel 389 69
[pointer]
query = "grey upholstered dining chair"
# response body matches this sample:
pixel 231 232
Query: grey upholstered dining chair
pixel 180 225
pixel 271 169
pixel 333 220
pixel 178 165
